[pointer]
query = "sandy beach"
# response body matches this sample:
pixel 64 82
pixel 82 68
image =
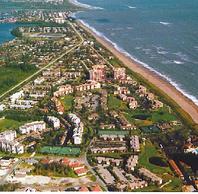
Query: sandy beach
pixel 186 104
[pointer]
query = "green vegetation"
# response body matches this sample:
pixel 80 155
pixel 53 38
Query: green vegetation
pixel 60 150
pixel 21 116
pixel 67 102
pixel 9 187
pixel 53 169
pixel 16 32
pixel 154 116
pixel 116 104
pixel 6 124
pixel 184 116
pixel 150 129
pixel 147 152
pixel 11 76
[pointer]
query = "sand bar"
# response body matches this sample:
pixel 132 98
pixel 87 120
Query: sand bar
pixel 185 103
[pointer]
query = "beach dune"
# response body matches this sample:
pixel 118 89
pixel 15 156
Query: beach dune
pixel 186 104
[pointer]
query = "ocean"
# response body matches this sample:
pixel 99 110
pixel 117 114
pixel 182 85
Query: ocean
pixel 161 35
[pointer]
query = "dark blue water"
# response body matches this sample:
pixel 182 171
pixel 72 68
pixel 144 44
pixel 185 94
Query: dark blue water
pixel 162 34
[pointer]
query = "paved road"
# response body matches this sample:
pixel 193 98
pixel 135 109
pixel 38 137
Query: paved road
pixel 48 65
pixel 3 179
pixel 102 57
pixel 98 179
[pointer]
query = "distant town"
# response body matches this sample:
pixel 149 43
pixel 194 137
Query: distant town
pixel 74 118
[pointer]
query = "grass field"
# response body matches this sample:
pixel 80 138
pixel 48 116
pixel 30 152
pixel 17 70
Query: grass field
pixel 116 104
pixel 151 117
pixel 147 152
pixel 6 124
pixel 165 173
pixel 67 102
pixel 9 77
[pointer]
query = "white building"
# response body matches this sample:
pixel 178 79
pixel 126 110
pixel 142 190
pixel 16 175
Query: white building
pixel 39 80
pixel 8 135
pixel 78 128
pixel 8 144
pixel 2 107
pixel 134 143
pixel 36 126
pixel 59 20
pixel 16 96
pixel 55 122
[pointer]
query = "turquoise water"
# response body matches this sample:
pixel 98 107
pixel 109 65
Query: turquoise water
pixel 162 34
pixel 5 32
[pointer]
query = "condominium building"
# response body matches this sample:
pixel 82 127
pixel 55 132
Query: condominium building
pixel 16 96
pixel 36 126
pixel 150 176
pixel 134 143
pixel 64 90
pixel 8 135
pixel 11 146
pixel 132 161
pixel 54 121
pixel 97 73
pixel 119 73
pixel 78 128
pixel 89 85
pixel 8 143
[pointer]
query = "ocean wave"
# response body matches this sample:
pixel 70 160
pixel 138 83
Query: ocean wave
pixel 162 52
pixel 129 28
pixel 131 7
pixel 83 5
pixel 165 23
pixel 167 78
pixel 178 62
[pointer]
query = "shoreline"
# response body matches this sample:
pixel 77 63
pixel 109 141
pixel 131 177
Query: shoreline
pixel 180 99
pixel 82 5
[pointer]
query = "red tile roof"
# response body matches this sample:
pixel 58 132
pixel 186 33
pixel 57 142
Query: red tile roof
pixel 80 171
pixel 83 189
pixel 65 161
pixel 45 161
pixel 96 188
pixel 75 165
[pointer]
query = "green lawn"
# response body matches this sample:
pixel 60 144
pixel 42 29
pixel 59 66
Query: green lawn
pixel 165 173
pixel 10 76
pixel 150 117
pixel 6 124
pixel 138 123
pixel 67 102
pixel 147 152
pixel 116 104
